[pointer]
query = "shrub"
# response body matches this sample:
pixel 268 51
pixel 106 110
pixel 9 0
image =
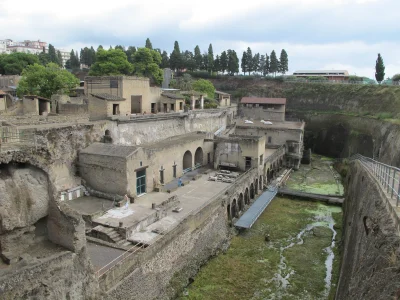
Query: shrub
pixel 384 115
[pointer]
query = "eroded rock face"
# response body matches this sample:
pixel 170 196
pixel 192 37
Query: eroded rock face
pixel 24 196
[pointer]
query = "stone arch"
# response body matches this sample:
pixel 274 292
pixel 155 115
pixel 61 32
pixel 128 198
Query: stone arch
pixel 198 156
pixel 187 160
pixel 228 211
pixel 252 191
pixel 268 176
pixel 240 202
pixel 246 196
pixel 261 183
pixel 281 161
pixel 235 212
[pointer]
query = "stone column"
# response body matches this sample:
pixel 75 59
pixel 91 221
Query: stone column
pixel 193 102
pixel 202 102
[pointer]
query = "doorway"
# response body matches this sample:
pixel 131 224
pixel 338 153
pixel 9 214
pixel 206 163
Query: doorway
pixel 141 182
pixel 136 104
pixel 172 107
pixel 165 107
pixel 174 170
pixel 153 108
pixel 115 109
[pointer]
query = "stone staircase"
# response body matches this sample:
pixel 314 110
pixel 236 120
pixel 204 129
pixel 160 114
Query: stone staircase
pixel 109 234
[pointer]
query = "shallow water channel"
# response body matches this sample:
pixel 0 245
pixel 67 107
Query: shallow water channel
pixel 300 261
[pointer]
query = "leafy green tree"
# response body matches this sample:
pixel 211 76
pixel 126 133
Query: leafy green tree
pixel 74 61
pixel 379 69
pixel 204 86
pixel 146 63
pixel 120 47
pixel 15 63
pixel 175 60
pixel 284 62
pixel 92 56
pixel 184 83
pixel 148 44
pixel 44 58
pixel 130 52
pixel 223 62
pixel 198 58
pixel 396 77
pixel 210 58
pixel 217 64
pixel 233 62
pixel 164 60
pixel 111 62
pixel 100 47
pixel 274 63
pixel 46 80
pixel 244 63
pixel 250 60
pixel 53 54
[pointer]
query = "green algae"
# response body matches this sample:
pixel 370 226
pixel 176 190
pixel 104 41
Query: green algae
pixel 249 268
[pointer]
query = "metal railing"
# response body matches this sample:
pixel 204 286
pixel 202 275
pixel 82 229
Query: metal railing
pixel 388 176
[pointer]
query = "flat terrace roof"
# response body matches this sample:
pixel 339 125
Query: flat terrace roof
pixel 175 140
pixel 274 125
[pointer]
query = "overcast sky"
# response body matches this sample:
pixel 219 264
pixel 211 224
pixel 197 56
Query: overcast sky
pixel 317 34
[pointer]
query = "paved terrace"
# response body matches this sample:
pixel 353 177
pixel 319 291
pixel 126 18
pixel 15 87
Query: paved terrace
pixel 274 125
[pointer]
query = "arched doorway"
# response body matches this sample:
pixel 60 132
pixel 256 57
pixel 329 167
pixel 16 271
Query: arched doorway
pixel 246 196
pixel 256 187
pixel 198 156
pixel 252 191
pixel 261 183
pixel 228 210
pixel 187 160
pixel 234 209
pixel 268 176
pixel 241 204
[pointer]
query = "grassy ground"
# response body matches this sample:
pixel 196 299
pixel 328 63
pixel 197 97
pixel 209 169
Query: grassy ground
pixel 248 270
pixel 318 177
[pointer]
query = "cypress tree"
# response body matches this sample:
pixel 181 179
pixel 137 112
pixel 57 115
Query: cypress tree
pixel 274 63
pixel 284 62
pixel 379 69
pixel 210 58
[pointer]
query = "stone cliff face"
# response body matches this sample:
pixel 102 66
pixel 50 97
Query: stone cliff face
pixel 371 253
pixel 342 136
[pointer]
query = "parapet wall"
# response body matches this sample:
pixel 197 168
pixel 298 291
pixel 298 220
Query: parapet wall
pixel 371 256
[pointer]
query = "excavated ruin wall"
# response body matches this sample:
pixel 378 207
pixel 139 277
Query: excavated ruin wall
pixel 165 267
pixel 371 243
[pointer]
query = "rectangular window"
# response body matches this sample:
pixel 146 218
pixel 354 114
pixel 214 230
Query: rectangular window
pixel 208 158
pixel 248 163
pixel 269 140
pixel 141 182
pixel 261 159
pixel 113 84
pixel 174 170
pixel 162 176
pixel 115 109
pixel 180 105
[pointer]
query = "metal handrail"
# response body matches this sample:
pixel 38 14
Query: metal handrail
pixel 388 176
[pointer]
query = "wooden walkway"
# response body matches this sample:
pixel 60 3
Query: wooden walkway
pixel 331 199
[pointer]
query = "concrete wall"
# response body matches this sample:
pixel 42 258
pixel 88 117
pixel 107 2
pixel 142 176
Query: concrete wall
pixel 31 106
pixel 72 109
pixel 97 108
pixel 259 113
pixel 371 257
pixel 278 136
pixel 124 107
pixel 107 174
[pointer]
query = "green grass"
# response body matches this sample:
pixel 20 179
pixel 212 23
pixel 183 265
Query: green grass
pixel 246 270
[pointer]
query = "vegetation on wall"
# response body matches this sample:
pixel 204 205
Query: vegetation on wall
pixel 204 86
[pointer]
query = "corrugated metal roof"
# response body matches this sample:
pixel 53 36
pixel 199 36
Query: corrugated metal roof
pixel 257 100
pixel 107 97
pixel 110 150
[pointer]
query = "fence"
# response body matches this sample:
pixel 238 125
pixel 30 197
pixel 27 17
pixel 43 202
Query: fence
pixel 388 176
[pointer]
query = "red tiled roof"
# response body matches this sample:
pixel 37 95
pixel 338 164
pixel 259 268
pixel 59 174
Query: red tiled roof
pixel 256 100
pixel 2 92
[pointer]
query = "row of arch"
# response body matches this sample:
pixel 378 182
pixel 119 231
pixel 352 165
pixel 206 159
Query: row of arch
pixel 237 206
pixel 188 158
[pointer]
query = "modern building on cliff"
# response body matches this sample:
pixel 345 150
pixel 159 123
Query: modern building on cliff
pixel 331 75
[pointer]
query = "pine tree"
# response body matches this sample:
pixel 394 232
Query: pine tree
pixel 267 65
pixel 256 62
pixel 274 63
pixel 223 62
pixel 233 62
pixel 262 65
pixel 244 63
pixel 175 60
pixel 164 60
pixel 52 54
pixel 148 44
pixel 59 59
pixel 250 61
pixel 379 69
pixel 210 57
pixel 217 64
pixel 284 62
pixel 198 58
